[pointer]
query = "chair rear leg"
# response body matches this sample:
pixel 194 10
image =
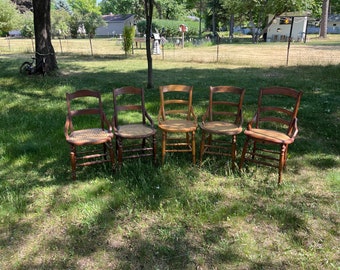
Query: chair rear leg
pixel 281 162
pixel 202 146
pixel 254 150
pixel 164 136
pixel 193 147
pixel 111 154
pixel 73 157
pixel 233 151
pixel 120 151
pixel 154 149
pixel 244 151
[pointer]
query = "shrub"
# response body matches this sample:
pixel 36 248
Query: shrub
pixel 128 35
pixel 169 28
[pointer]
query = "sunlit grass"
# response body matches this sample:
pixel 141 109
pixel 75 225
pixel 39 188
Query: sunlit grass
pixel 175 216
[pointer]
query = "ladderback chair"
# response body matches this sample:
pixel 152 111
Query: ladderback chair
pixel 273 128
pixel 87 128
pixel 133 124
pixel 223 118
pixel 176 120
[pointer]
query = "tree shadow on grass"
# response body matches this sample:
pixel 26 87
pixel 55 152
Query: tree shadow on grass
pixel 37 145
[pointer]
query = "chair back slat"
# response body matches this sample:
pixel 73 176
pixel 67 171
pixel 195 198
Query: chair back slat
pixel 128 99
pixel 175 101
pixel 225 103
pixel 78 106
pixel 278 108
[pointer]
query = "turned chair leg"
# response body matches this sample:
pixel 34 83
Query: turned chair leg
pixel 244 151
pixel 202 146
pixel 193 148
pixel 163 146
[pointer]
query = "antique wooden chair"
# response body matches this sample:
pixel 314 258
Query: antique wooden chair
pixel 273 126
pixel 132 122
pixel 86 127
pixel 176 117
pixel 222 118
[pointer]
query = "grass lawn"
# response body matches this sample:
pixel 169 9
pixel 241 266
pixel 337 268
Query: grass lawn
pixel 175 216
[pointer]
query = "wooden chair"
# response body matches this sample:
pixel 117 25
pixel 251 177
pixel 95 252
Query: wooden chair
pixel 273 126
pixel 132 122
pixel 222 118
pixel 176 117
pixel 88 128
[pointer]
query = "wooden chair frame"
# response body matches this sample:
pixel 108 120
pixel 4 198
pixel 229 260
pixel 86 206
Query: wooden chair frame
pixel 222 118
pixel 264 137
pixel 141 133
pixel 176 116
pixel 88 138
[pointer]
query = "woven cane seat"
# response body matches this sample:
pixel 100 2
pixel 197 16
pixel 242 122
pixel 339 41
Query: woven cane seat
pixel 178 125
pixel 269 135
pixel 135 130
pixel 89 136
pixel 221 127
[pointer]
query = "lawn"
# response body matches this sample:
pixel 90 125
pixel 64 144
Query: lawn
pixel 175 216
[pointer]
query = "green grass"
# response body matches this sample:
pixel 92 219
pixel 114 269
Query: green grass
pixel 175 216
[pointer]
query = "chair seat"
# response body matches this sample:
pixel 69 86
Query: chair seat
pixel 178 126
pixel 221 127
pixel 269 135
pixel 135 131
pixel 89 136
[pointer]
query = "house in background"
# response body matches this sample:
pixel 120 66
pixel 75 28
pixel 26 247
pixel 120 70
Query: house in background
pixel 115 24
pixel 333 26
pixel 279 30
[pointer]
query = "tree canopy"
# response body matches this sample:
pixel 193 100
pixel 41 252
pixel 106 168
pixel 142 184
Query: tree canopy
pixel 9 16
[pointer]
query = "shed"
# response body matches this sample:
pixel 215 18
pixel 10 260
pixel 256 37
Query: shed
pixel 115 24
pixel 280 29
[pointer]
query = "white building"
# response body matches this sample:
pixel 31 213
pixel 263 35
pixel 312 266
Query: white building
pixel 115 24
pixel 280 29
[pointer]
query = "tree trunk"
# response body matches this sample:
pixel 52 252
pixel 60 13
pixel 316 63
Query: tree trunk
pixel 148 4
pixel 231 27
pixel 324 19
pixel 44 51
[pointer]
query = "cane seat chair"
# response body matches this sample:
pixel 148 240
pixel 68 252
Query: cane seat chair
pixel 273 128
pixel 222 119
pixel 176 120
pixel 133 127
pixel 87 130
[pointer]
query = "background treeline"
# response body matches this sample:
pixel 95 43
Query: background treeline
pixel 77 18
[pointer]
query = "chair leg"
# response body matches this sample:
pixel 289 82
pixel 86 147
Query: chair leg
pixel 105 150
pixel 202 146
pixel 281 162
pixel 233 151
pixel 154 149
pixel 112 157
pixel 244 151
pixel 163 146
pixel 73 161
pixel 193 147
pixel 120 151
pixel 254 150
pixel 286 156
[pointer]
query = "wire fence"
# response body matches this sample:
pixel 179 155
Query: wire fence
pixel 203 51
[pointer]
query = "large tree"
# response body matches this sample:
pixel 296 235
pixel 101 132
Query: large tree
pixel 324 19
pixel 148 6
pixel 42 31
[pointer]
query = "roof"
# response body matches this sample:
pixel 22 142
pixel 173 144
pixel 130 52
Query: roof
pixel 334 18
pixel 116 17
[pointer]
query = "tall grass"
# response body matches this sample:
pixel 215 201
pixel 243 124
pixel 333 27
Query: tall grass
pixel 175 216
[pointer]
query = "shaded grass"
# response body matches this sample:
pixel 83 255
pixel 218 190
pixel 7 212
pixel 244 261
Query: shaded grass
pixel 175 216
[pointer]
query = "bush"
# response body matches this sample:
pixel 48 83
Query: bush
pixel 128 35
pixel 170 28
